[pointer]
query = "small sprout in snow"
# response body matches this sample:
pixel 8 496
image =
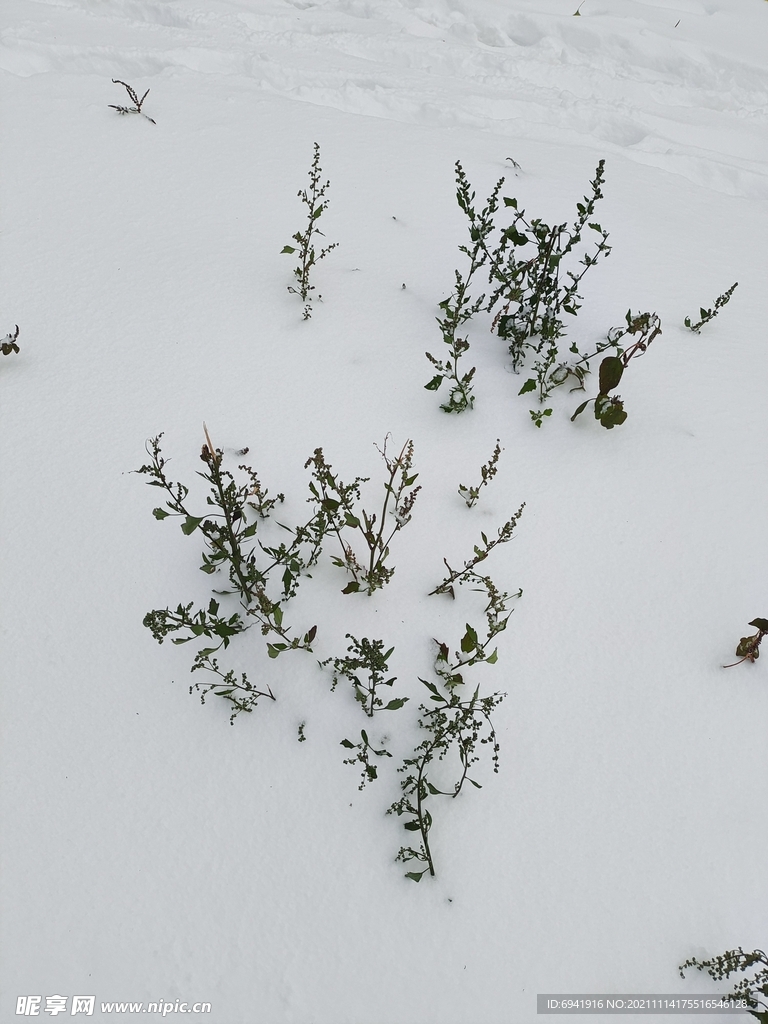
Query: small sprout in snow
pixel 8 344
pixel 488 472
pixel 710 314
pixel 136 108
pixel 748 648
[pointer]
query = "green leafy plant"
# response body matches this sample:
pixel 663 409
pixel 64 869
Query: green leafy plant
pixel 751 990
pixel 497 614
pixel 370 657
pixel 748 648
pixel 451 724
pixel 365 666
pixel 241 695
pixel 609 409
pixel 710 314
pixel 467 573
pixel 338 502
pixel 459 308
pixel 488 472
pixel 530 295
pixel 9 342
pixel 363 757
pixel 534 293
pixel 137 103
pixel 229 531
pixel 316 203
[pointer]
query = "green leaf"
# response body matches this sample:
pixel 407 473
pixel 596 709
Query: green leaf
pixel 610 412
pixel 537 415
pixel 351 588
pixel 747 648
pixel 275 649
pixel 394 705
pixel 530 385
pixel 510 202
pixel 158 513
pixel 415 875
pixel 412 826
pixel 435 383
pixel 351 520
pixel 611 370
pixel 310 635
pixel 348 744
pixel 761 624
pixel 475 784
pixel 287 248
pixel 581 409
pixel 190 524
pixel 493 658
pixel 469 640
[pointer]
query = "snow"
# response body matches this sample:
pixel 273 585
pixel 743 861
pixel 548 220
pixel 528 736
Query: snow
pixel 153 852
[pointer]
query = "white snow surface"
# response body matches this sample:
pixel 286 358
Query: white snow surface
pixel 150 850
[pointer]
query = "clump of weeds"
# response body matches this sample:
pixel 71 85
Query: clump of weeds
pixel 339 503
pixel 229 530
pixel 368 659
pixel 459 307
pixel 455 724
pixel 366 667
pixel 531 288
pixel 533 293
pixel 316 202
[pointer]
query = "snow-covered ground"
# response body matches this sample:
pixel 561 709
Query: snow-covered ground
pixel 151 852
